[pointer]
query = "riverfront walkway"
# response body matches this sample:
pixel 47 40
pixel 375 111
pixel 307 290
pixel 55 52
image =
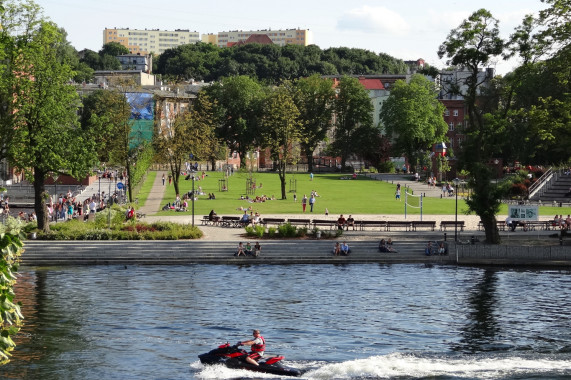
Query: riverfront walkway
pixel 219 243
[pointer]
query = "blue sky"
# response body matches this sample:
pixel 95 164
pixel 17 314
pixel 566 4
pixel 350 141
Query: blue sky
pixel 406 29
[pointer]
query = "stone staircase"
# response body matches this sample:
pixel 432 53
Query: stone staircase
pixel 59 253
pixel 556 191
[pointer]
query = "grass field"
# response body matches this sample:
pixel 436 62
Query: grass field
pixel 339 196
pixel 360 196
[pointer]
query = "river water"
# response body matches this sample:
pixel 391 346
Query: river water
pixel 333 321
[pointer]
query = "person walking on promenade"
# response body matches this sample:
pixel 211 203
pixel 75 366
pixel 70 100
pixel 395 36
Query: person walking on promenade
pixel 304 202
pixel 163 179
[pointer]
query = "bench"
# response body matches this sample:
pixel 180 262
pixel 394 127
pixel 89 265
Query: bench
pixel 300 222
pixel 500 224
pixel 230 221
pixel 205 220
pixel 275 221
pixel 423 223
pixel 451 223
pixel 371 223
pixel 324 223
pixel 394 223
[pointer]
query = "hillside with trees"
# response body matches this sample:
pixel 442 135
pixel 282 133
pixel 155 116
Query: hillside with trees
pixel 270 63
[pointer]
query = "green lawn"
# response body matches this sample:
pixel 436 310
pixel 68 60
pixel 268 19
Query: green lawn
pixel 361 196
pixel 146 187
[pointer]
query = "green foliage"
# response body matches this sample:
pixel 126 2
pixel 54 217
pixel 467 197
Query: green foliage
pixel 143 158
pixel 272 231
pixel 78 230
pixel 280 131
pixel 354 119
pixel 412 115
pixel 11 248
pixel 255 231
pixel 287 230
pixel 387 167
pixel 270 63
pixel 43 105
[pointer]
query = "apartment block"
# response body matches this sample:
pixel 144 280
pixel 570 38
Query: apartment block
pixel 148 41
pixel 283 37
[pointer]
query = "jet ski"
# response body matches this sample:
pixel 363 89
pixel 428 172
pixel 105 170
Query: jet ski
pixel 235 357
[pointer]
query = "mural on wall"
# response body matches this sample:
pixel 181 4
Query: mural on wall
pixel 142 116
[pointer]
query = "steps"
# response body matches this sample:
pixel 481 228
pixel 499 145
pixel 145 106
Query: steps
pixel 556 191
pixel 48 253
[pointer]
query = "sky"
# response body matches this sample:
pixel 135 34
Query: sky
pixel 406 29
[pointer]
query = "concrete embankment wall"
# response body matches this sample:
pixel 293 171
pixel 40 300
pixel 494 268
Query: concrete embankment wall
pixel 49 253
pixel 554 255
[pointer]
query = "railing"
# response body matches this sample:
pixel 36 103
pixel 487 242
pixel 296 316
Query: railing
pixel 540 185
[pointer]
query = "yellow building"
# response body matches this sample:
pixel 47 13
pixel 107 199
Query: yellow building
pixel 149 40
pixel 279 37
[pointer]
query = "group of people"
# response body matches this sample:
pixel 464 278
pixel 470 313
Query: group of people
pixel 251 218
pixel 341 249
pixel 345 223
pixel 248 250
pixel 564 224
pixel 311 200
pixel 386 246
pixel 435 248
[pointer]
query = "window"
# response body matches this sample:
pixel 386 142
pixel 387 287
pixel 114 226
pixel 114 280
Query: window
pixel 447 113
pixel 451 127
pixel 455 112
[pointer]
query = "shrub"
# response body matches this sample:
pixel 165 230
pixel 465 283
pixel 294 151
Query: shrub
pixel 302 231
pixel 255 231
pixel 387 167
pixel 272 231
pixel 287 230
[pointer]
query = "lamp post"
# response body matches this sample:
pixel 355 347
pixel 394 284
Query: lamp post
pixel 456 183
pixel 192 200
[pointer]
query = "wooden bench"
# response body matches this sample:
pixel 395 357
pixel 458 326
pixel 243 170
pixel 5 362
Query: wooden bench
pixel 395 223
pixel 230 221
pixel 274 221
pixel 451 223
pixel 500 224
pixel 300 222
pixel 382 224
pixel 423 223
pixel 205 220
pixel 534 224
pixel 324 223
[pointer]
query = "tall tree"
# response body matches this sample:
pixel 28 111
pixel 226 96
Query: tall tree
pixel 314 98
pixel 191 132
pixel 473 45
pixel 238 106
pixel 105 113
pixel 281 131
pixel 412 116
pixel 44 106
pixel 353 110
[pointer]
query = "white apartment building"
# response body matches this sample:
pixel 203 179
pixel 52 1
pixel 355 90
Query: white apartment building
pixel 148 41
pixel 283 37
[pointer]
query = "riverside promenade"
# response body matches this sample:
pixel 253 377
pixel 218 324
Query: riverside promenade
pixel 218 244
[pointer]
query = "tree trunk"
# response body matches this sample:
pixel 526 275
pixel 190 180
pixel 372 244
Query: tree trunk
pixel 40 200
pixel 309 157
pixel 282 174
pixel 129 184
pixel 491 229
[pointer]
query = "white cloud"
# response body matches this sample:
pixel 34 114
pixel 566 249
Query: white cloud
pixel 373 19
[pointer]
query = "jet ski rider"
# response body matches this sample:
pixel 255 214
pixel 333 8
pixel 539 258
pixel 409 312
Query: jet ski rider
pixel 258 346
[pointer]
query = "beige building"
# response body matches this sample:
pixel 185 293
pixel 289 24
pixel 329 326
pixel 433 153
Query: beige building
pixel 279 37
pixel 149 40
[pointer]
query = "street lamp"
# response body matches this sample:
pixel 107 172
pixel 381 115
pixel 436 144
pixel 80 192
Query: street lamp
pixel 456 183
pixel 193 200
